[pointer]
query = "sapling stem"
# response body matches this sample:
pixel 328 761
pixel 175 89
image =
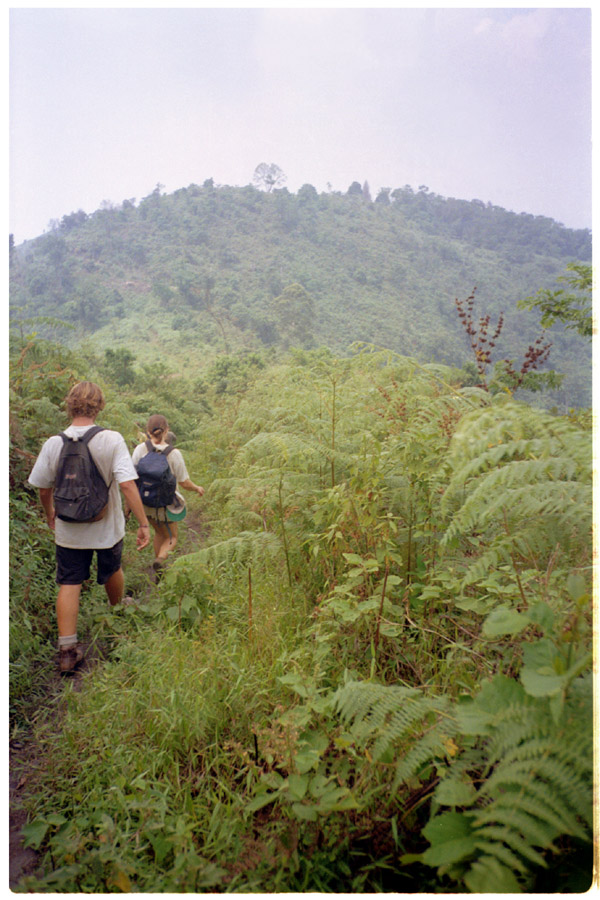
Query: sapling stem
pixel 333 423
pixel 284 536
pixel 250 603
pixel 380 612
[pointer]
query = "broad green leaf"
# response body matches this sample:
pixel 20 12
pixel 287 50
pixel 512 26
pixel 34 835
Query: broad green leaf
pixel 345 802
pixel 354 559
pixel 319 785
pixel 295 682
pixel 344 741
pixel 331 800
pixel 475 604
pixel 261 800
pixel 477 716
pixel 540 654
pixel 298 785
pixel 390 630
pixel 450 837
pixel 408 858
pixel 541 614
pixel 56 819
pixel 34 833
pixel 307 813
pixel 538 684
pixel 576 586
pixel 504 620
pixel 273 780
pixel 454 793
pixel 315 740
pixel 160 845
pixel 306 760
pixel 539 674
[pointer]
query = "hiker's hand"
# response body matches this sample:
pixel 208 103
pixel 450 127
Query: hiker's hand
pixel 200 491
pixel 143 536
pixel 51 520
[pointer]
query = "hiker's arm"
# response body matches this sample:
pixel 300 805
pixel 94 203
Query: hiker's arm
pixel 47 498
pixel 133 502
pixel 190 486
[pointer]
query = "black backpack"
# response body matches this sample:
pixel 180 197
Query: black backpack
pixel 156 482
pixel 80 491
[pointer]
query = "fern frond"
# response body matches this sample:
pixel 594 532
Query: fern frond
pixel 390 715
pixel 492 838
pixel 243 549
pixel 375 707
pixel 533 800
pixel 431 745
pixel 503 853
pixel 497 492
pixel 533 831
pixel 489 875
pixel 279 447
pixel 567 789
pixel 536 449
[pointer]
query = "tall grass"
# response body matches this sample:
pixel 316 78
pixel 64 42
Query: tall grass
pixel 157 752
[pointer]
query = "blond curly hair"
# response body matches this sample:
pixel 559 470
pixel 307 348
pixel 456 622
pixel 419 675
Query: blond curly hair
pixel 85 399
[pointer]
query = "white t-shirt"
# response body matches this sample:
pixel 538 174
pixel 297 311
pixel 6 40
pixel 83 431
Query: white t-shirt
pixel 109 452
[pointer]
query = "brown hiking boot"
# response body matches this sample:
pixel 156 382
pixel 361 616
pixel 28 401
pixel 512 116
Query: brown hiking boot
pixel 69 658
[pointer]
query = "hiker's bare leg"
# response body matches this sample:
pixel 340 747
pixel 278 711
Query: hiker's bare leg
pixel 114 587
pixel 173 538
pixel 158 539
pixel 67 609
pixel 164 542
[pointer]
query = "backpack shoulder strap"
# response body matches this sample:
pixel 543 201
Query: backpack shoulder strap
pixel 64 437
pixel 149 446
pixel 167 450
pixel 90 433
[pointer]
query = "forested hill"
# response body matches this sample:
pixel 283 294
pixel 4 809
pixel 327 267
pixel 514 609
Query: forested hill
pixel 212 269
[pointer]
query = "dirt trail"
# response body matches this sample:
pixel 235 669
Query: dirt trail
pixel 24 755
pixel 22 861
pixel 25 759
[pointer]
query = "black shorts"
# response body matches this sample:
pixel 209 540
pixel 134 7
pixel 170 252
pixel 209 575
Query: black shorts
pixel 73 566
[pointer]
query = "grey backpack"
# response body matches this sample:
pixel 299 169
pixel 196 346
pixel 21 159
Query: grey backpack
pixel 80 491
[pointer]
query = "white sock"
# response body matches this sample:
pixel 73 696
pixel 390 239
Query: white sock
pixel 68 640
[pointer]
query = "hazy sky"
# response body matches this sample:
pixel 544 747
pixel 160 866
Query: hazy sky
pixel 492 104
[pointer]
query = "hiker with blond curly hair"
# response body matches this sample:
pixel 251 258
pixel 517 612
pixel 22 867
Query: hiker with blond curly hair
pixel 79 473
pixel 157 459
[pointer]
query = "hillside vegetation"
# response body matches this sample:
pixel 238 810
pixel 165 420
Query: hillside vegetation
pixel 213 269
pixel 368 666
pixel 372 673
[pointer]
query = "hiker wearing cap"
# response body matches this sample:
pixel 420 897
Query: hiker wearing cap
pixel 79 473
pixel 161 468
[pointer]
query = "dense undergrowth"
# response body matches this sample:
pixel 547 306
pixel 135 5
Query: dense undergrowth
pixel 374 675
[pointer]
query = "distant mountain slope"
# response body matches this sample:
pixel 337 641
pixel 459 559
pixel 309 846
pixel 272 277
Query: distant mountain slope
pixel 209 268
